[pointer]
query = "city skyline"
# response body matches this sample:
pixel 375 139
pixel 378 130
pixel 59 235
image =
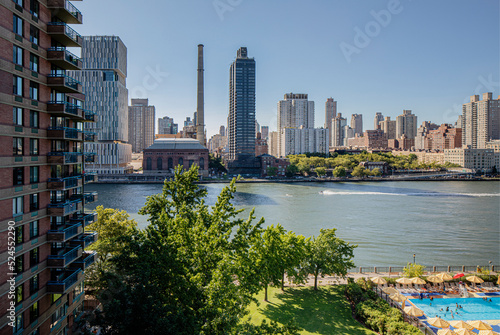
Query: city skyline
pixel 417 61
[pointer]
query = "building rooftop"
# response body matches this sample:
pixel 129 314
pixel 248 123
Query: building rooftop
pixel 176 144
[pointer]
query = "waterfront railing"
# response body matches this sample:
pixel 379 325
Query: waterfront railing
pixel 427 268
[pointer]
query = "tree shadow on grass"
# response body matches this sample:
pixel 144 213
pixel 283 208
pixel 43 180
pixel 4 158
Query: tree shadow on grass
pixel 322 312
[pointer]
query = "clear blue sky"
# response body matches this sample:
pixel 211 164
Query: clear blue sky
pixel 428 56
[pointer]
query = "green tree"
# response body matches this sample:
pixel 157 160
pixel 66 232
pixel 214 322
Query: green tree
pixel 358 171
pixel 216 163
pixel 304 167
pixel 328 254
pixel 272 171
pixel 413 270
pixel 376 172
pixel 191 271
pixel 339 171
pixel 291 170
pixel 320 171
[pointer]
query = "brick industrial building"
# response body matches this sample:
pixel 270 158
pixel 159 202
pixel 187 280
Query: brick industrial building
pixel 41 169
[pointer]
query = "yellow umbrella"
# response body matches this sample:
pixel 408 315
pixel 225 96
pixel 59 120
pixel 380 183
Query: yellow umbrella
pixel 444 276
pixel 487 332
pixel 412 310
pixel 390 290
pixel 461 324
pixel 474 279
pixel 438 322
pixel 464 331
pixel 378 280
pixel 404 281
pixel 398 297
pixel 446 331
pixel 480 325
pixel 434 279
pixel 418 281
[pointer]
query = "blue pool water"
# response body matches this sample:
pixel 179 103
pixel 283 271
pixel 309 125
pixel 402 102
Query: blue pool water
pixel 473 308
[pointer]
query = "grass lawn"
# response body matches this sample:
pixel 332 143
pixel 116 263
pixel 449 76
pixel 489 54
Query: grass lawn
pixel 323 312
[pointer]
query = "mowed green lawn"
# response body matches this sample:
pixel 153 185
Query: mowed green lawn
pixel 325 311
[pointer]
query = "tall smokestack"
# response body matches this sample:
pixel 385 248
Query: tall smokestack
pixel 200 114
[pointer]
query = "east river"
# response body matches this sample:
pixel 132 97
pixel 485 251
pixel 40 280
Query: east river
pixel 443 223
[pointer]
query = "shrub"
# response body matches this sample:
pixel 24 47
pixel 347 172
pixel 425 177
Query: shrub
pixel 413 270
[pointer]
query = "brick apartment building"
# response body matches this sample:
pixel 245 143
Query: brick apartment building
pixel 42 179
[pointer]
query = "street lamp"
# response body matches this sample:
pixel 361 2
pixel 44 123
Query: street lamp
pixel 413 258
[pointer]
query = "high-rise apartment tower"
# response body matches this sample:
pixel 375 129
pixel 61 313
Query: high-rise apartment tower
pixel 141 124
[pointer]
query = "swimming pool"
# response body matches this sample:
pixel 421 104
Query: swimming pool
pixel 473 308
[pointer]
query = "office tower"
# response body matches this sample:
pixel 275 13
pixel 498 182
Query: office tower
pixel 378 118
pixel 330 111
pixel 104 83
pixel 388 127
pixel 480 121
pixel 241 121
pixel 200 113
pixel 42 179
pixel 141 124
pixel 265 132
pixel 166 125
pixel 257 128
pixel 222 131
pixel 357 123
pixel 406 124
pixel 337 130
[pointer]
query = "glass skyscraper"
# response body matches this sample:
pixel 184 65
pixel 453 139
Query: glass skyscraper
pixel 241 120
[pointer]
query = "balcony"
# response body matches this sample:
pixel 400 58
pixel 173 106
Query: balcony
pixel 64 257
pixel 89 136
pixel 90 177
pixel 89 116
pixel 87 198
pixel 84 218
pixel 64 233
pixel 65 11
pixel 84 240
pixel 64 208
pixel 63 34
pixel 64 59
pixel 63 133
pixel 64 281
pixel 86 260
pixel 90 157
pixel 63 83
pixel 64 157
pixel 65 109
pixel 64 183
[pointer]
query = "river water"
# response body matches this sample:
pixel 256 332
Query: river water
pixel 443 223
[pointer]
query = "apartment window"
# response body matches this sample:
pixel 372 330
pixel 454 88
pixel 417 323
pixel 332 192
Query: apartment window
pixel 34 119
pixel 17 116
pixel 34 312
pixel 34 283
pixel 34 174
pixel 34 257
pixel 19 324
pixel 17 206
pixel 34 34
pixel 34 88
pixel 33 146
pixel 33 229
pixel 34 61
pixel 20 269
pixel 18 2
pixel 18 25
pixel 18 55
pixel 34 8
pixel 19 235
pixel 18 176
pixel 17 146
pixel 34 202
pixel 18 85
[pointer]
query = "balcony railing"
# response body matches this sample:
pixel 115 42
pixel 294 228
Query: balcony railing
pixel 64 157
pixel 89 177
pixel 89 136
pixel 64 208
pixel 64 234
pixel 63 108
pixel 84 218
pixel 64 34
pixel 64 281
pixel 85 197
pixel 64 183
pixel 64 83
pixel 65 10
pixel 64 257
pixel 89 116
pixel 86 260
pixel 64 59
pixel 90 157
pixel 85 239
pixel 64 133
